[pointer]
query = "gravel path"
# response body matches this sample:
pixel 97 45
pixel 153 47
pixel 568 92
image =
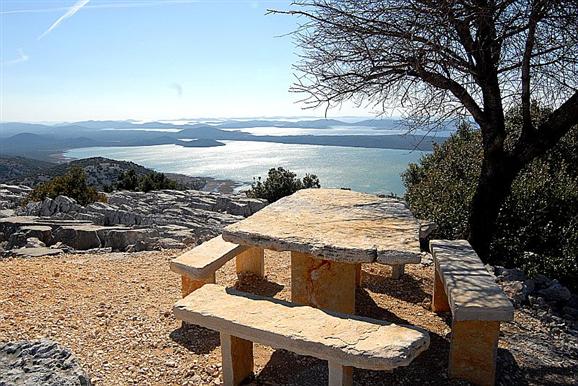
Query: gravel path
pixel 114 312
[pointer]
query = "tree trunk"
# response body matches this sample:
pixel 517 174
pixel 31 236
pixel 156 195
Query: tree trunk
pixel 493 188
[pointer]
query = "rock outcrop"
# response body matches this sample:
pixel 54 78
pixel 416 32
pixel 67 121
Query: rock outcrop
pixel 128 221
pixel 550 299
pixel 40 363
pixel 10 198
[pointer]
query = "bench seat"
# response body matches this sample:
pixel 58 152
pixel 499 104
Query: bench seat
pixel 197 267
pixel 463 286
pixel 206 258
pixel 471 291
pixel 345 341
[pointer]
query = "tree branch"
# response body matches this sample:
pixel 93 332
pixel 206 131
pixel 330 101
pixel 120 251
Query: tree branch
pixel 549 132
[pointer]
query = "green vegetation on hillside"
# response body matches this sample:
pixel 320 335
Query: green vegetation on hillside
pixel 129 180
pixel 72 184
pixel 281 183
pixel 13 168
pixel 537 227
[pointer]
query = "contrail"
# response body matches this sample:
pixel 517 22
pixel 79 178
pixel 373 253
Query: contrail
pixel 116 4
pixel 22 57
pixel 71 11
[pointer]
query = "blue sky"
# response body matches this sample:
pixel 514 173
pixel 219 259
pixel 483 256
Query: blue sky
pixel 146 59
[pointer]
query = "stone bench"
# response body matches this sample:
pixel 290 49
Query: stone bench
pixel 197 266
pixel 463 286
pixel 344 341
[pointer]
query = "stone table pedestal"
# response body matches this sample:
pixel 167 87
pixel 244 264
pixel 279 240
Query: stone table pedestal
pixel 322 283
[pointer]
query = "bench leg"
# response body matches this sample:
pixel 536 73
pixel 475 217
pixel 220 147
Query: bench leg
pixel 439 301
pixel 237 358
pixel 340 375
pixel 358 275
pixel 322 283
pixel 397 271
pixel 473 351
pixel 189 285
pixel 252 260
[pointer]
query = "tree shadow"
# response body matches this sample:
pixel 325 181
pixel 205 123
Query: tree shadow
pixel 551 375
pixel 508 372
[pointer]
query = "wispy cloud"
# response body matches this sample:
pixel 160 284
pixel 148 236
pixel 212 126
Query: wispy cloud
pixel 178 88
pixel 22 57
pixel 71 11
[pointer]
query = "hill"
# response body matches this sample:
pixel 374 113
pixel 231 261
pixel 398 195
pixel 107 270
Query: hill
pixel 16 168
pixel 101 172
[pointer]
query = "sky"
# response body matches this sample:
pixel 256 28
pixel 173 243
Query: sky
pixel 72 60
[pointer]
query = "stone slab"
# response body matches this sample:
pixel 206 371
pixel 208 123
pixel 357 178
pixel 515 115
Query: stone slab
pixel 471 291
pixel 340 338
pixel 81 237
pixel 206 258
pixel 335 224
pixel 36 252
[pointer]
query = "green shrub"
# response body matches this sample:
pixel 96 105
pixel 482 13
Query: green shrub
pixel 537 228
pixel 156 181
pixel 72 184
pixel 281 183
pixel 129 180
pixel 441 187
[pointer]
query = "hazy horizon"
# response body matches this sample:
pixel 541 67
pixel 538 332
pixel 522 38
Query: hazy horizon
pixel 287 118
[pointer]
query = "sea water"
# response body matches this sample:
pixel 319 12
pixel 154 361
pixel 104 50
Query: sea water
pixel 360 169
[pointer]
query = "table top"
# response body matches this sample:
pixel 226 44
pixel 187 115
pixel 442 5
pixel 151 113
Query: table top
pixel 335 224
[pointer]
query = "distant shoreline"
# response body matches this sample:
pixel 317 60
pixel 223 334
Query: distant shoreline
pixel 212 184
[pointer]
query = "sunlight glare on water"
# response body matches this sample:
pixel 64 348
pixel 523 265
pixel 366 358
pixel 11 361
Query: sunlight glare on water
pixel 361 169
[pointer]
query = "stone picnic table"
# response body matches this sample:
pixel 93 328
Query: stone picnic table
pixel 330 233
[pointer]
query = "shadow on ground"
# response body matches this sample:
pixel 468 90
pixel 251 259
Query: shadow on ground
pixel 257 285
pixel 308 371
pixel 429 368
pixel 406 288
pixel 197 339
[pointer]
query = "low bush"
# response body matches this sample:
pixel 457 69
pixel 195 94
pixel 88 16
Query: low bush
pixel 72 184
pixel 281 183
pixel 537 228
pixel 129 180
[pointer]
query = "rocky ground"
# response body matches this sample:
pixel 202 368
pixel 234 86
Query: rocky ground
pixel 40 362
pixel 113 310
pixel 128 221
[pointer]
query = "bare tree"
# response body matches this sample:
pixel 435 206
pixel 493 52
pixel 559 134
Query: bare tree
pixel 439 59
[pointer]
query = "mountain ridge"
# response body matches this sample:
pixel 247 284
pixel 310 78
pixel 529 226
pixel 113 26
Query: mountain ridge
pixel 44 142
